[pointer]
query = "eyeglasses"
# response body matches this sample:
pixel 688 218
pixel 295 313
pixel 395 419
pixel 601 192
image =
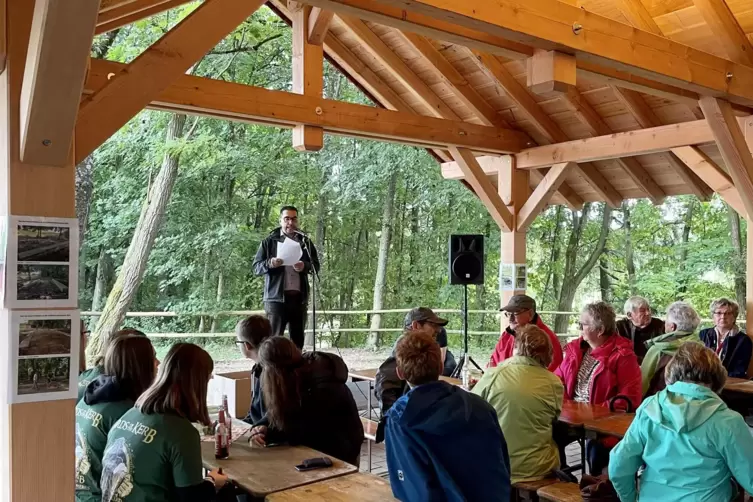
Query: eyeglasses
pixel 511 315
pixel 581 325
pixel 724 314
pixel 240 342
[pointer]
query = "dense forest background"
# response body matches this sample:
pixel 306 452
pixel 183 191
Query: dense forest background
pixel 173 208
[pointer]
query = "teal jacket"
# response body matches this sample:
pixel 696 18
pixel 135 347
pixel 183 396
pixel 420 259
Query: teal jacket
pixel 691 445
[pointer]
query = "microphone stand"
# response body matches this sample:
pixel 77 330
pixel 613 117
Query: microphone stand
pixel 305 241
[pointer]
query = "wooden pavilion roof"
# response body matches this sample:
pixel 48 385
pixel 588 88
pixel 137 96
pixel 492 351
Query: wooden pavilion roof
pixel 432 68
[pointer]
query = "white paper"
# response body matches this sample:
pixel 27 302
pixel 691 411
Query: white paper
pixel 289 251
pixel 42 262
pixel 521 277
pixel 44 354
pixel 506 278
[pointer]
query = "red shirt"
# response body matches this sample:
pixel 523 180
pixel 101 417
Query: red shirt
pixel 506 343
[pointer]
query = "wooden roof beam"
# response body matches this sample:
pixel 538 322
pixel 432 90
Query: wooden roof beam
pixel 230 101
pixel 540 197
pixel 59 46
pixel 725 27
pixel 483 188
pixel 637 15
pixel 132 12
pixel 548 24
pixel 732 145
pixel 319 21
pixel 308 75
pixel 103 113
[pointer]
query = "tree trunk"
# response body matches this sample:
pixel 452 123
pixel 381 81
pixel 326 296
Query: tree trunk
pixel 319 242
pixel 384 251
pixel 344 338
pixel 629 258
pixel 102 282
pixel 552 275
pixel 604 282
pixel 572 278
pixel 134 264
pixel 739 258
pixel 204 286
pixel 218 300
pixel 682 286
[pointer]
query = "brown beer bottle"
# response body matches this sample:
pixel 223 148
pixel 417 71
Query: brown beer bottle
pixel 221 443
pixel 228 421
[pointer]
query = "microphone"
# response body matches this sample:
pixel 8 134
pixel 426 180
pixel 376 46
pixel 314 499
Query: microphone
pixel 302 234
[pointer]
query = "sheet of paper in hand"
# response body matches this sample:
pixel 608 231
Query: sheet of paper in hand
pixel 289 251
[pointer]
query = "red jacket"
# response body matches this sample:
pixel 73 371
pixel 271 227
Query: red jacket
pixel 506 343
pixel 618 372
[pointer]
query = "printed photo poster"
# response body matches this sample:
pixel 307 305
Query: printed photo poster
pixel 521 277
pixel 44 348
pixel 506 277
pixel 3 241
pixel 42 262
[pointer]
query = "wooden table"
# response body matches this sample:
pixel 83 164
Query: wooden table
pixel 261 471
pixel 370 375
pixel 356 487
pixel 576 414
pixel 740 385
pixel 615 425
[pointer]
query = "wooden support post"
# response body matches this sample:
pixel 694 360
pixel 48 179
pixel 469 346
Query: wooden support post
pixel 36 439
pixel 319 21
pixel 748 129
pixel 514 190
pixel 541 195
pixel 3 35
pixel 308 77
pixel 551 71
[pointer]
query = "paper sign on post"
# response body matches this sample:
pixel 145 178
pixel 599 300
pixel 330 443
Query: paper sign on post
pixel 289 252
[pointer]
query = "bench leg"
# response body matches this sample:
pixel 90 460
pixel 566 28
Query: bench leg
pixel 583 462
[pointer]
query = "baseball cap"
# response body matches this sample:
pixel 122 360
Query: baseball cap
pixel 519 303
pixel 424 314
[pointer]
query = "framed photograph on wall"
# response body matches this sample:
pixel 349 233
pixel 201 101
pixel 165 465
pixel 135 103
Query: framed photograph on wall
pixel 44 349
pixel 42 262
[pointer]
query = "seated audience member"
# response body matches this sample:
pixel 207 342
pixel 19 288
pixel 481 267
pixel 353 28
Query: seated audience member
pixel 251 332
pixel 528 399
pixel 681 324
pixel 154 452
pixel 308 402
pixel 88 376
pixel 521 311
pixel 638 325
pixel 731 344
pixel 129 370
pixel 689 443
pixel 442 443
pixel 424 318
pixel 598 366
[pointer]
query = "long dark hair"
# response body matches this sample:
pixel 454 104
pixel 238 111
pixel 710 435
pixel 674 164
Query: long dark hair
pixel 181 384
pixel 130 359
pixel 280 380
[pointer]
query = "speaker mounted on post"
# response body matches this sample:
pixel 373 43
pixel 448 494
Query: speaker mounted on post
pixel 466 259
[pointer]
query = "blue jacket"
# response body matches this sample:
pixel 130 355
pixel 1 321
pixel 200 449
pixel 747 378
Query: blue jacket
pixel 691 444
pixel 445 444
pixel 736 351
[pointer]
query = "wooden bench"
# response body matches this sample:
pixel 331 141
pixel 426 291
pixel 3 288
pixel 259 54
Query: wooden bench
pixel 560 492
pixel 369 432
pixel 526 491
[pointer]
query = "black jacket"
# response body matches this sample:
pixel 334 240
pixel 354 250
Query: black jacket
pixel 736 351
pixel 274 279
pixel 639 336
pixel 328 420
pixel 257 413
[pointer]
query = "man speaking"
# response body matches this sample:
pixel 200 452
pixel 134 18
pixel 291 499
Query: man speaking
pixel 286 286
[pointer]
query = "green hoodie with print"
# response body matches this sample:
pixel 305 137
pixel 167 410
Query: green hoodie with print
pixel 658 347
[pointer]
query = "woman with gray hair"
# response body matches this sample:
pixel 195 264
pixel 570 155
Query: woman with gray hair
pixel 528 399
pixel 681 325
pixel 690 443
pixel 730 343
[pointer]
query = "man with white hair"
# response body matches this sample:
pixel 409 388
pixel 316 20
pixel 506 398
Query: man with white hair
pixel 639 326
pixel 680 326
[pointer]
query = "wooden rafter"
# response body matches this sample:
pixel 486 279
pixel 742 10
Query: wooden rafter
pixel 548 24
pixel 646 117
pixel 538 200
pixel 227 100
pixel 637 15
pixel 732 145
pixel 589 117
pixel 319 21
pixel 155 69
pixel 59 46
pixel 3 36
pixel 713 175
pixel 722 22
pixel 132 12
pixel 483 187
pixel 308 76
pixel 546 126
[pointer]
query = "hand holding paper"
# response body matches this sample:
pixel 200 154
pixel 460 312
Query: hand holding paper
pixel 289 251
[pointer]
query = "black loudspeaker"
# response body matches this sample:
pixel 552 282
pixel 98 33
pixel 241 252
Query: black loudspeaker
pixel 466 259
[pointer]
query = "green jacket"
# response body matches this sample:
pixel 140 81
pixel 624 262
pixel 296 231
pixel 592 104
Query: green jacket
pixel 662 345
pixel 528 400
pixel 691 445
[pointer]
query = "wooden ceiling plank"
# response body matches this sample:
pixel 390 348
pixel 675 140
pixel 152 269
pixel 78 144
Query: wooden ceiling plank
pixel 319 22
pixel 637 15
pixel 548 24
pixel 308 77
pixel 455 80
pixel 540 197
pixel 208 97
pixel 398 68
pixel 56 62
pixel 732 145
pixel 482 185
pixel 600 184
pixel 128 92
pixel 106 5
pixel 133 12
pixel 589 117
pixel 727 30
